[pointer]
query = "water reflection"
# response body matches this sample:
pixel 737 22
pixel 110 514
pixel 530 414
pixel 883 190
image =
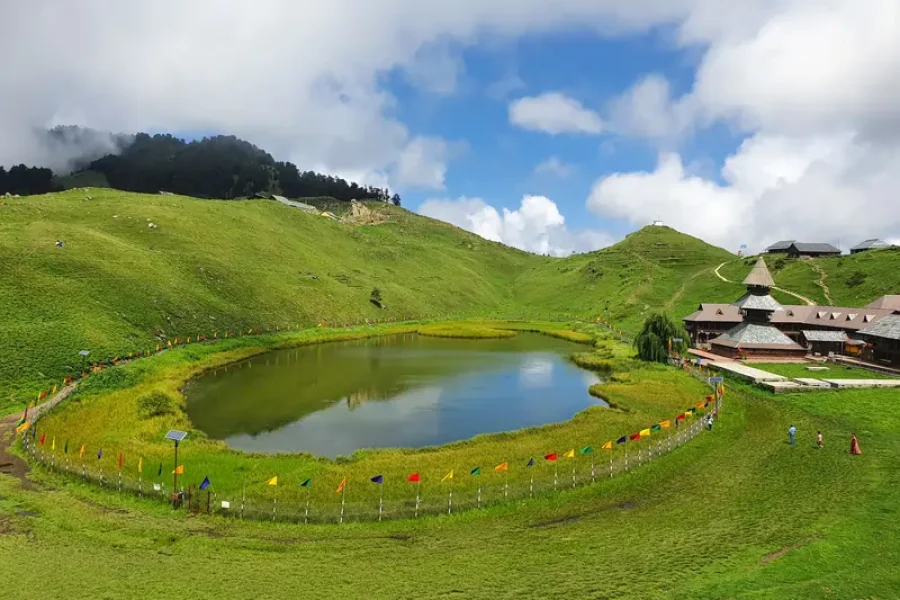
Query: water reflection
pixel 399 391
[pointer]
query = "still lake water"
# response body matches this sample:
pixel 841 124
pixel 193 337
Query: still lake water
pixel 389 392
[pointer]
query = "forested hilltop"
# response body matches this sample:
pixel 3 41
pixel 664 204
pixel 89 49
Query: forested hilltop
pixel 213 167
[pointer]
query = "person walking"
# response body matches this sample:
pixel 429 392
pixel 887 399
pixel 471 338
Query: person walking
pixel 854 445
pixel 709 422
pixel 819 442
pixel 792 433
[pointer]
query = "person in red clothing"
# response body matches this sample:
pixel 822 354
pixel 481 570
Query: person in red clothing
pixel 854 445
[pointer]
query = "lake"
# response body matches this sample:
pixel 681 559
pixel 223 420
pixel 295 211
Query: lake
pixel 389 392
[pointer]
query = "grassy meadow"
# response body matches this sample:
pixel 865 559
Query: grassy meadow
pixel 834 371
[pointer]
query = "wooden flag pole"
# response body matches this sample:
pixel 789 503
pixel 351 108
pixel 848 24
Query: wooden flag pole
pixel 593 472
pixel 380 500
pixel 450 499
pixel 243 494
pixel 610 464
pixel 531 486
pixel 573 471
pixel 343 492
pixel 555 473
pixel 418 489
pixel 478 500
pixel 506 483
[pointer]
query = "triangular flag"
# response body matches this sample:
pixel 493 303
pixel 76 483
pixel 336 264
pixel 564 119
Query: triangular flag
pixel 530 462
pixel 586 450
pixel 179 470
pixel 206 483
pixel 414 478
pixel 570 453
pixel 475 471
pixel 377 479
pixel 53 444
pixel 99 453
pixel 159 472
pixel 343 485
pixel 66 447
pixel 141 465
pixel 634 436
pixel 121 460
pixel 23 427
pixel 657 427
pixel 43 438
pixel 622 439
pixel 81 452
pixel 666 424
pixel 448 476
pixel 608 445
pixel 645 433
pixel 306 483
pixel 273 481
pixel 502 467
pixel 551 457
pixel 680 417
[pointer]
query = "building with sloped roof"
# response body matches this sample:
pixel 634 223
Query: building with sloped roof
pixel 796 249
pixel 780 247
pixel 883 341
pixel 872 244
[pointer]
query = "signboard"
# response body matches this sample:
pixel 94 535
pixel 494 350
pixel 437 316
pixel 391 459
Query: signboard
pixel 715 380
pixel 176 435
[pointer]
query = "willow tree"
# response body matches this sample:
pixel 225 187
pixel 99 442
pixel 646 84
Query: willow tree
pixel 652 343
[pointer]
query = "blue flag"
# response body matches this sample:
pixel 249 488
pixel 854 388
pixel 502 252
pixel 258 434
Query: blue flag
pixel 622 439
pixel 99 453
pixel 377 479
pixel 530 463
pixel 206 483
pixel 306 483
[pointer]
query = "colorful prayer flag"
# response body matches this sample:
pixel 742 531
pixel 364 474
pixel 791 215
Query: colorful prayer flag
pixel 634 436
pixel 141 465
pixel 530 462
pixel 608 445
pixel 680 417
pixel 666 424
pixel 23 427
pixel 121 460
pixel 502 467
pixel 622 439
pixel 570 453
pixel 53 444
pixel 343 485
pixel 699 405
pixel 206 483
pixel 179 470
pixel 414 478
pixel 656 427
pixel 551 457
pixel 273 481
pixel 43 438
pixel 475 471
pixel 99 453
pixel 586 450
pixel 448 476
pixel 307 483
pixel 377 479
pixel 81 452
pixel 159 472
pixel 645 433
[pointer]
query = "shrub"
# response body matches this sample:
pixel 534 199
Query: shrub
pixel 652 343
pixel 155 404
pixel 857 278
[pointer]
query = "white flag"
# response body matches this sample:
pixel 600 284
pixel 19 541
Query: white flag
pixel 226 504
pixel 156 487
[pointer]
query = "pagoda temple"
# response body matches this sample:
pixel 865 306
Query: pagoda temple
pixel 756 336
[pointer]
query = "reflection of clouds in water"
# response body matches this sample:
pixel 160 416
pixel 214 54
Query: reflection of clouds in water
pixel 590 378
pixel 537 371
pixel 409 419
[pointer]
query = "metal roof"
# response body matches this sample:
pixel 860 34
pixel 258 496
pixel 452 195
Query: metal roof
pixel 753 302
pixel 815 247
pixel 752 335
pixel 818 317
pixel 869 244
pixel 759 275
pixel 782 245
pixel 824 336
pixel 890 302
pixel 887 327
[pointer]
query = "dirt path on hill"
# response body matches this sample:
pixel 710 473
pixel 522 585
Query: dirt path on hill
pixel 780 289
pixel 821 281
pixel 10 464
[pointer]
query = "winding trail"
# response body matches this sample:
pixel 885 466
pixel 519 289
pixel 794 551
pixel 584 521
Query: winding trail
pixel 821 281
pixel 782 290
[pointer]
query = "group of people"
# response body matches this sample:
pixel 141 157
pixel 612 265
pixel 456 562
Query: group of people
pixel 820 442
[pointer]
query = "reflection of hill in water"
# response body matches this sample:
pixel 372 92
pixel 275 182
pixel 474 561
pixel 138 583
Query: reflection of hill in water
pixel 267 392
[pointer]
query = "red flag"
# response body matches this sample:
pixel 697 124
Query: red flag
pixel 680 417
pixel 551 457
pixel 43 438
pixel 709 398
pixel 414 478
pixel 634 436
pixel 121 459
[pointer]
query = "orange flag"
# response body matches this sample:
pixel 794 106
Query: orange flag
pixel 502 467
pixel 179 470
pixel 607 445
pixel 341 487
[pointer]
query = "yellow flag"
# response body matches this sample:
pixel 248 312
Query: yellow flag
pixel 168 343
pixel 81 452
pixel 608 445
pixel 570 453
pixel 502 467
pixel 23 427
pixel 665 424
pixel 141 465
pixel 448 476
pixel 53 443
pixel 341 487
pixel 179 470
pixel 273 481
pixel 54 390
pixel 645 433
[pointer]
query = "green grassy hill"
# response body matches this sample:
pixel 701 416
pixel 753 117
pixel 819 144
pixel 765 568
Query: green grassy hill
pixel 656 267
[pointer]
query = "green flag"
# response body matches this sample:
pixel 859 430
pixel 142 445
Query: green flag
pixel 66 449
pixel 306 483
pixel 586 450
pixel 475 471
pixel 656 427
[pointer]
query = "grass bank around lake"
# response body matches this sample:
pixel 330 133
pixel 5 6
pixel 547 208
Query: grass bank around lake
pixel 109 412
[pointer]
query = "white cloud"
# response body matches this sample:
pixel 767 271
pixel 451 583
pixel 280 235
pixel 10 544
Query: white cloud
pixel 647 110
pixel 536 226
pixel 502 88
pixel 554 113
pixel 554 166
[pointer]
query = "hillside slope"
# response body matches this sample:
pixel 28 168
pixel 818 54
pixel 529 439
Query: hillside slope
pixel 118 284
pixel 651 269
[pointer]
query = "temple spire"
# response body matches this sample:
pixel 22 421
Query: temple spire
pixel 759 276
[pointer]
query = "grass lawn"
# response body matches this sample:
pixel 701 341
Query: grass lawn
pixel 834 371
pixel 735 514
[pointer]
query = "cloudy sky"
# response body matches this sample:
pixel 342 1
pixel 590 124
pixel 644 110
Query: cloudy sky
pixel 552 126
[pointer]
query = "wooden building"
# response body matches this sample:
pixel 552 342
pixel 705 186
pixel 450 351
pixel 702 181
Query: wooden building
pixel 883 341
